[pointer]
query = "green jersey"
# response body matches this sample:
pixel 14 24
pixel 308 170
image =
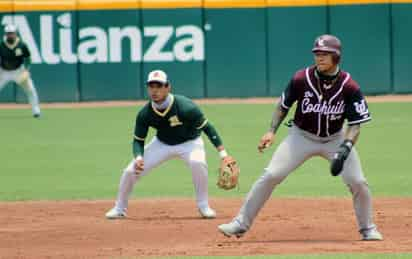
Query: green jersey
pixel 178 123
pixel 13 56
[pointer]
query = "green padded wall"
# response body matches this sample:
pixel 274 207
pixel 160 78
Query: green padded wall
pixel 364 31
pixel 48 36
pixel 217 50
pixel 236 52
pixel 402 47
pixel 292 31
pixel 186 66
pixel 112 71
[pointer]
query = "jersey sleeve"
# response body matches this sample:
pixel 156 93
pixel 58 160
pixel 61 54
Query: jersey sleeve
pixel 212 134
pixel 141 127
pixel 197 118
pixel 26 56
pixel 26 51
pixel 356 109
pixel 288 96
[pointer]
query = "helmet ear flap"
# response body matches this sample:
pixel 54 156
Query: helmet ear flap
pixel 336 58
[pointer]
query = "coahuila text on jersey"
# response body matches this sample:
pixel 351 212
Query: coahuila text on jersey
pixel 97 45
pixel 323 108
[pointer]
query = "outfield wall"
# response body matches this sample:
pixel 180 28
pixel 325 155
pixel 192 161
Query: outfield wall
pixel 84 50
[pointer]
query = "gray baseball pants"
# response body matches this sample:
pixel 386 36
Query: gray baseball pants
pixel 295 149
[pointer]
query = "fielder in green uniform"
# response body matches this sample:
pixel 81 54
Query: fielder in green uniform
pixel 179 123
pixel 15 64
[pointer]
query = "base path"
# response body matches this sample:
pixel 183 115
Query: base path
pixel 172 227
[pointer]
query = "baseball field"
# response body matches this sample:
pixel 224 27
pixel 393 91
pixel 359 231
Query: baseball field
pixel 59 175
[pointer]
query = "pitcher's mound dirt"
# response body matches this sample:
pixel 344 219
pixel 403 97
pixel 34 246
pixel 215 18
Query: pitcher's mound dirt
pixel 172 227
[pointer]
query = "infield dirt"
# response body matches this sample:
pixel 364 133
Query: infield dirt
pixel 172 227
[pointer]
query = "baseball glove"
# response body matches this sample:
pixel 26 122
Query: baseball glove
pixel 228 173
pixel 339 158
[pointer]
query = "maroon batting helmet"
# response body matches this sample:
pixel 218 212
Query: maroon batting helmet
pixel 328 43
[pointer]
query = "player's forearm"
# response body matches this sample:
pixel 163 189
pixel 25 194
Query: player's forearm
pixel 352 133
pixel 138 148
pixel 213 136
pixel 277 117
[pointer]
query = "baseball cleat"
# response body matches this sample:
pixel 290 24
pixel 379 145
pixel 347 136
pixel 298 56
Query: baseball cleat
pixel 36 115
pixel 115 213
pixel 371 235
pixel 232 229
pixel 207 213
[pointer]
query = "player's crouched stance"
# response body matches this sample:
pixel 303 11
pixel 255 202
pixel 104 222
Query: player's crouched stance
pixel 179 123
pixel 14 66
pixel 325 96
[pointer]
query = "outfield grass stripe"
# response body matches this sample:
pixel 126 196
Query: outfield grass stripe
pixel 80 154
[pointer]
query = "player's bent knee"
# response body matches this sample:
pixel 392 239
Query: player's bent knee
pixel 130 170
pixel 273 177
pixel 25 84
pixel 197 164
pixel 358 187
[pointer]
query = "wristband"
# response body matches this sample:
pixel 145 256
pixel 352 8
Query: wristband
pixel 348 144
pixel 223 153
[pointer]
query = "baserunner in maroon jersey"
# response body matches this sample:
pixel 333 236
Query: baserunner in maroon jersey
pixel 325 97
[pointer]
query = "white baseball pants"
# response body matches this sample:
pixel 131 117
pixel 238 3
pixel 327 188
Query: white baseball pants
pixel 28 86
pixel 191 152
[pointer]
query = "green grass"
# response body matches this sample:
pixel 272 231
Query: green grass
pixel 80 153
pixel 324 256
